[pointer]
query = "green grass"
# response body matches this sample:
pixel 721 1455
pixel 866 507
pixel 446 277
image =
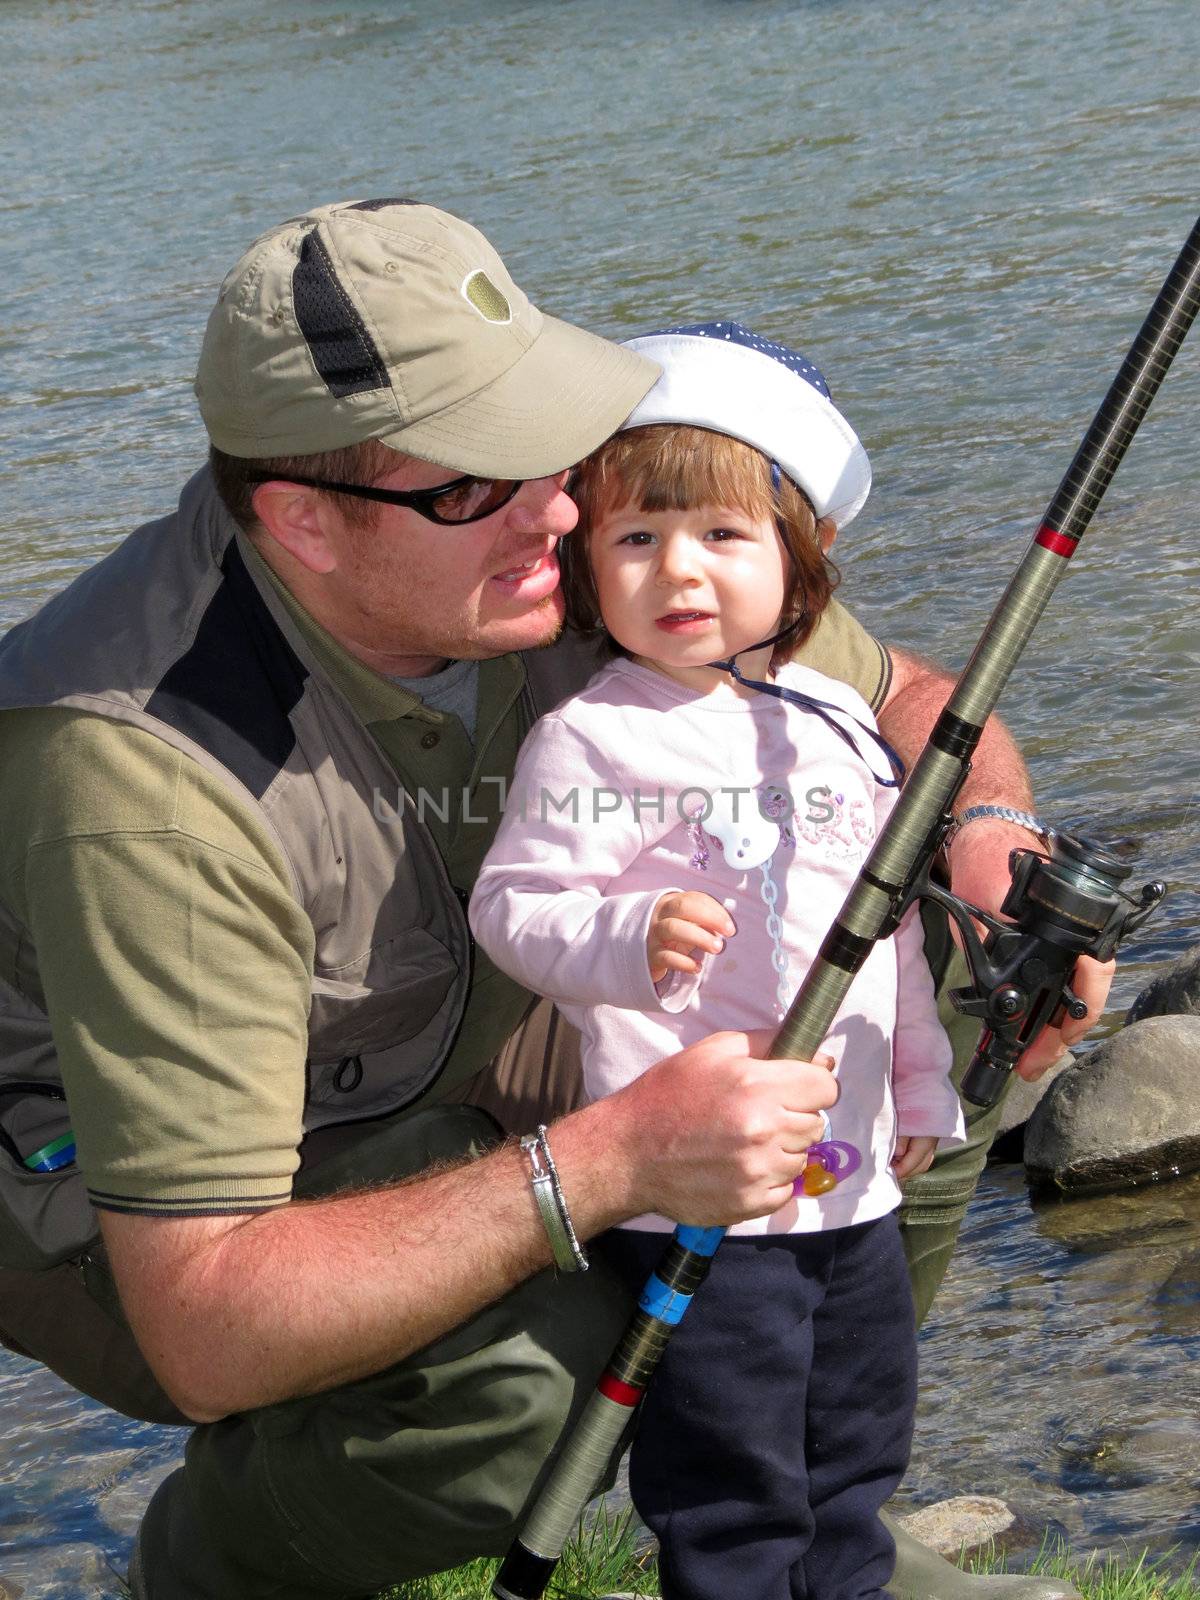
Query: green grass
pixel 1103 1578
pixel 601 1559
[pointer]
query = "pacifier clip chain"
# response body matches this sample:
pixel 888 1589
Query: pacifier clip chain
pixel 830 1159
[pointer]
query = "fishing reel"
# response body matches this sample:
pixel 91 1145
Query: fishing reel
pixel 1062 905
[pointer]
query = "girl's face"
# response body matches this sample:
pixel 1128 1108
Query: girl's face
pixel 679 589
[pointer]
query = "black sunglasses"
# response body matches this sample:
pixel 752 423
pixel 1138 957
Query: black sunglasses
pixel 465 499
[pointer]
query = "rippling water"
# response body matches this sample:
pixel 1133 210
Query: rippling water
pixel 962 211
pixel 1061 1367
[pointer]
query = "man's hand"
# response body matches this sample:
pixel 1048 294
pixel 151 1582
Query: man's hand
pixel 715 1134
pixel 682 923
pixel 979 873
pixel 237 1312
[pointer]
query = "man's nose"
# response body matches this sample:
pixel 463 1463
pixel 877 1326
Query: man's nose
pixel 542 505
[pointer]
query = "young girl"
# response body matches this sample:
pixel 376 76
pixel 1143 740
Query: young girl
pixel 679 838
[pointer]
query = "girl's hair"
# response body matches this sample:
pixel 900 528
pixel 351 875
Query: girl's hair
pixel 672 467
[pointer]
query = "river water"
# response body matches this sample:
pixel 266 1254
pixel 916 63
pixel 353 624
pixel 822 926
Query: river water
pixel 962 212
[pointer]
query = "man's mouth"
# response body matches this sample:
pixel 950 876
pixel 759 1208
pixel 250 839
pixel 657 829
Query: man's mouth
pixel 514 574
pixel 530 580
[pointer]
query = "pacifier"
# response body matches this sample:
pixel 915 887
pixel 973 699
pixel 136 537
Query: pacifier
pixel 826 1163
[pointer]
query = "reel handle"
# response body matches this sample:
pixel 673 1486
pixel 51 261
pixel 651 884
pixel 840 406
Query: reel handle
pixel 1064 905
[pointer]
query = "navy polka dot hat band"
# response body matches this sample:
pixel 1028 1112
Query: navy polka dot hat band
pixel 735 333
pixel 723 376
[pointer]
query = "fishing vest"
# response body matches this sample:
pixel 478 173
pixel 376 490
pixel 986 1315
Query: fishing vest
pixel 172 633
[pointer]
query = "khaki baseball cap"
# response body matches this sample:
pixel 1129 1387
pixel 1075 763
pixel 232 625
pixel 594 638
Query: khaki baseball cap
pixel 390 320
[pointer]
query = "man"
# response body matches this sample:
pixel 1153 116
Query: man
pixel 252 761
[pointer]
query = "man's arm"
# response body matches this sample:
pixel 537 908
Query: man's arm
pixel 176 962
pixel 979 853
pixel 998 776
pixel 245 1311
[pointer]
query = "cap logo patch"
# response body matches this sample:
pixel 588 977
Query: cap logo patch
pixel 483 294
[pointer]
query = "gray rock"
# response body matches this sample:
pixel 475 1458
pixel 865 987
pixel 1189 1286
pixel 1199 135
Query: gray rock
pixel 1175 992
pixel 970 1521
pixel 1019 1103
pixel 1126 1114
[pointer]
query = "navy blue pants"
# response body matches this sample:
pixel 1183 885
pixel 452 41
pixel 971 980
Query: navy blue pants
pixel 780 1419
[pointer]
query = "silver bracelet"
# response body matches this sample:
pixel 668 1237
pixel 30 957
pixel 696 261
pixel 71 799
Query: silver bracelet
pixel 577 1250
pixel 1023 819
pixel 564 1246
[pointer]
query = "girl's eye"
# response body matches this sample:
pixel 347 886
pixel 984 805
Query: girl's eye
pixel 720 535
pixel 638 540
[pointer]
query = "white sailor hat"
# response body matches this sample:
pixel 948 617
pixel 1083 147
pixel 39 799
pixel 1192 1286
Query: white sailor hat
pixel 721 375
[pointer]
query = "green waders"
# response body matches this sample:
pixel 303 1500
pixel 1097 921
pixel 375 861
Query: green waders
pixel 930 1216
pixel 935 1202
pixel 418 1468
pixel 434 1461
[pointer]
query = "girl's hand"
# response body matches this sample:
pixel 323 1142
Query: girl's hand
pixel 683 923
pixel 913 1154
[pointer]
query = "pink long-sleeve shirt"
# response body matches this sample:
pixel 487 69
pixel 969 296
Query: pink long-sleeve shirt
pixel 638 786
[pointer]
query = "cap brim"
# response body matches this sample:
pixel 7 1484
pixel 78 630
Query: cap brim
pixel 562 398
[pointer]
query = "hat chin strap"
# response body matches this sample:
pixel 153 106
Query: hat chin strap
pixel 806 702
pixel 817 708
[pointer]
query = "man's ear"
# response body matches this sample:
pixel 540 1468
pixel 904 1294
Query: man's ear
pixel 826 531
pixel 295 517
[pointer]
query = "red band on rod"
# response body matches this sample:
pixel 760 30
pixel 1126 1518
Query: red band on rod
pixel 623 1393
pixel 1057 543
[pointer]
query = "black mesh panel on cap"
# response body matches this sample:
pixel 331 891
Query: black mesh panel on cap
pixel 379 205
pixel 343 351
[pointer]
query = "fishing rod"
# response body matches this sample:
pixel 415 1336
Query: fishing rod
pixel 1066 902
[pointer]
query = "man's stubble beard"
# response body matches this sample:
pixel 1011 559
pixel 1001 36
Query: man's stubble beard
pixel 473 646
pixel 463 639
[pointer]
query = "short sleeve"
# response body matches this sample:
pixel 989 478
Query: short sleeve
pixel 840 647
pixel 174 961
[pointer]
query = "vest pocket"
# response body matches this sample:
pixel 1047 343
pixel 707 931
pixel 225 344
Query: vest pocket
pixel 45 1217
pixel 378 1036
pixel 387 997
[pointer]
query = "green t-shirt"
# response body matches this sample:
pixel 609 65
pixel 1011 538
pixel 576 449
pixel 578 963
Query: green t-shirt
pixel 842 648
pixel 172 955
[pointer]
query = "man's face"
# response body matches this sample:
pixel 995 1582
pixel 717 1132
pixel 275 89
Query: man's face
pixel 410 590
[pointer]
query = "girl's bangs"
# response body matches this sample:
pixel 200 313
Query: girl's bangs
pixel 668 467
